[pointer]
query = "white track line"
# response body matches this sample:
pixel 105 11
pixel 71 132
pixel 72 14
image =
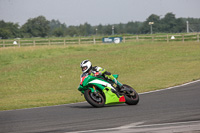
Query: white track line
pixel 138 126
pixel 167 124
pixel 170 87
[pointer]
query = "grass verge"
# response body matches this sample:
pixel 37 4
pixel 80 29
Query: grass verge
pixel 44 76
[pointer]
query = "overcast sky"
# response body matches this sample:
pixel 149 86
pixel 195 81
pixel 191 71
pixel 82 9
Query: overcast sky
pixel 94 12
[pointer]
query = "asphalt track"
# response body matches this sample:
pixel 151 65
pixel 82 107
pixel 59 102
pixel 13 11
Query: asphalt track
pixel 173 110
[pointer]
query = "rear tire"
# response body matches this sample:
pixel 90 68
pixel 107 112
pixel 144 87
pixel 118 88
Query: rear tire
pixel 133 98
pixel 93 99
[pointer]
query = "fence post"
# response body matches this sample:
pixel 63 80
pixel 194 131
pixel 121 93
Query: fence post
pixel 79 41
pixel 34 43
pixel 64 42
pixel 183 38
pixel 197 37
pixel 94 40
pixel 167 38
pixel 137 38
pixel 152 38
pixel 19 43
pixel 3 43
pixel 124 40
pixel 49 42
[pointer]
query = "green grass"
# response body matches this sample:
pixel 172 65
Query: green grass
pixel 50 75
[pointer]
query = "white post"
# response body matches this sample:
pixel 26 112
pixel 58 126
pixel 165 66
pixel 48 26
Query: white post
pixel 113 30
pixel 151 23
pixel 187 23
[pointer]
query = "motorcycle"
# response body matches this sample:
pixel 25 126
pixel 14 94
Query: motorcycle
pixel 99 91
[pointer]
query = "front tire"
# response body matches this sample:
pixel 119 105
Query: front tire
pixel 133 98
pixel 96 100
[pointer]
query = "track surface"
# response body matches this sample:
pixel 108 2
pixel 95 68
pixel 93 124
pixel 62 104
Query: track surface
pixel 157 111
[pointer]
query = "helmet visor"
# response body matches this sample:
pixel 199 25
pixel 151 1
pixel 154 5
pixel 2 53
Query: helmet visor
pixel 84 68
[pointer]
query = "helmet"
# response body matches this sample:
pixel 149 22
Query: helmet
pixel 86 65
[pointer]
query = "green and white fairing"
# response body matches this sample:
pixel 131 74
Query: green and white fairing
pixel 98 84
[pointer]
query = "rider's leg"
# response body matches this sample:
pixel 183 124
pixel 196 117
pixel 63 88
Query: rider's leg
pixel 111 77
pixel 122 88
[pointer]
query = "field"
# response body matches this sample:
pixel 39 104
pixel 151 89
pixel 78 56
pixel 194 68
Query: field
pixel 49 75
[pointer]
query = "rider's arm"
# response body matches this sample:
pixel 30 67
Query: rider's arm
pixel 100 71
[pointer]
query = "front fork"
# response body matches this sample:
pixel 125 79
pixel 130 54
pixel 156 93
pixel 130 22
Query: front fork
pixel 95 91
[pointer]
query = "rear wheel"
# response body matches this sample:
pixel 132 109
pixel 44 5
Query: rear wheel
pixel 95 99
pixel 133 97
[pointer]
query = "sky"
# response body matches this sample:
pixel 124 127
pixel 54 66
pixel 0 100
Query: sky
pixel 95 12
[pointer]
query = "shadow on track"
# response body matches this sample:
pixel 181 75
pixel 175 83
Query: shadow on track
pixel 90 107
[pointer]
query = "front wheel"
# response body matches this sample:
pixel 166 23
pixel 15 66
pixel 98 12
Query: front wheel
pixel 133 97
pixel 95 99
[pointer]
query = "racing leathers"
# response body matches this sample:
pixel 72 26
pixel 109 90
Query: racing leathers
pixel 98 71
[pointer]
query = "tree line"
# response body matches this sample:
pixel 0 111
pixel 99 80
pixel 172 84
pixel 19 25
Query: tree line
pixel 41 27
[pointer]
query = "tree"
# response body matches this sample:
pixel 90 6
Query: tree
pixel 99 29
pixel 194 24
pixel 36 27
pixel 72 31
pixel 120 28
pixel 85 29
pixel 107 29
pixel 133 27
pixel 40 27
pixel 9 30
pixel 57 29
pixel 169 23
pixel 58 32
pixel 156 26
pixel 180 25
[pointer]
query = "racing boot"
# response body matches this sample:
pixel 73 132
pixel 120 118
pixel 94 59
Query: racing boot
pixel 120 86
pixel 114 80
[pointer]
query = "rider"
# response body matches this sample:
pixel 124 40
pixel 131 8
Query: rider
pixel 87 68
